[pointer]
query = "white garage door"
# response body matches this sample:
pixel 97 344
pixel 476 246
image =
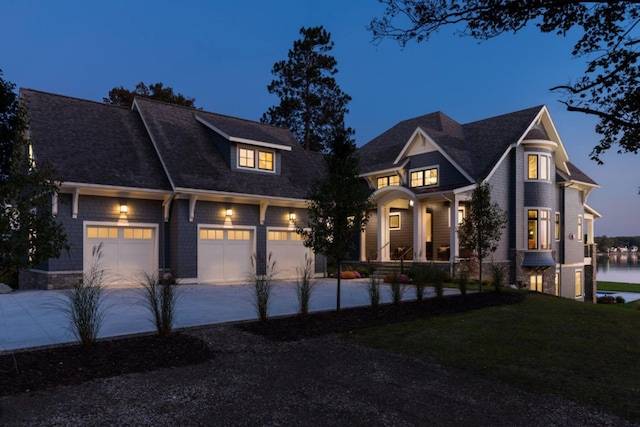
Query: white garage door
pixel 127 252
pixel 288 250
pixel 224 255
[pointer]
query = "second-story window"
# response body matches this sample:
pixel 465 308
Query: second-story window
pixel 424 177
pixel 539 167
pixel 248 158
pixel 385 181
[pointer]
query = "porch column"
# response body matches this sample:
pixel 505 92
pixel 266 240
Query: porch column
pixel 363 245
pixel 419 234
pixel 383 233
pixel 453 230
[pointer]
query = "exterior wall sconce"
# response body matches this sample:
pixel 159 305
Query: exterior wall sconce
pixel 123 208
pixel 229 212
pixel 410 202
pixel 292 216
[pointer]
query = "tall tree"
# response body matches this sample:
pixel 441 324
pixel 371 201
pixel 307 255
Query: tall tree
pixel 338 203
pixel 607 38
pixel 29 234
pixel 311 102
pixel 157 91
pixel 481 229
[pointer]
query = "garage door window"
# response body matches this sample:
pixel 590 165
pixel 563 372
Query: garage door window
pixel 211 234
pixel 277 235
pixel 102 232
pixel 239 235
pixel 138 233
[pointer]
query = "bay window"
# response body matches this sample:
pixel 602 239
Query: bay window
pixel 539 167
pixel 538 229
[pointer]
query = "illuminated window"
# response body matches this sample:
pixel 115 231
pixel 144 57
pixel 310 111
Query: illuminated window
pixel 557 227
pixel 138 233
pixel 239 235
pixel 578 283
pixel 265 160
pixel 580 228
pixel 249 157
pixel 557 283
pixel 424 178
pixel 102 232
pixel 385 181
pixel 211 234
pixel 535 282
pixel 394 221
pixel 539 167
pixel 246 158
pixel 538 229
pixel 277 235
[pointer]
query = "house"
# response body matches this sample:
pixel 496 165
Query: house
pixel 164 187
pixel 423 170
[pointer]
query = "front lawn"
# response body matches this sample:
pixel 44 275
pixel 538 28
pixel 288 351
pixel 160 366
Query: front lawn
pixel 585 352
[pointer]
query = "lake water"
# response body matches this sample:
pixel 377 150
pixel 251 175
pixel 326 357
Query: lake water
pixel 619 268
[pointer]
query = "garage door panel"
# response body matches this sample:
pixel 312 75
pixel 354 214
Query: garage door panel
pixel 288 251
pixel 127 253
pixel 224 255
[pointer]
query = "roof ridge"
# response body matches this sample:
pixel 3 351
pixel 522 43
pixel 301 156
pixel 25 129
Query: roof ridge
pixel 202 110
pixel 537 107
pixel 25 89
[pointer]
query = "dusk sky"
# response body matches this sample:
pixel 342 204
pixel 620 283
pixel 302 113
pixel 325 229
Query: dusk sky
pixel 221 53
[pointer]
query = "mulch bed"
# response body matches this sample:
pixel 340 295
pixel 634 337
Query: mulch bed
pixel 291 328
pixel 38 369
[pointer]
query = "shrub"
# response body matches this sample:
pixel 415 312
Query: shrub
pixel 160 298
pixel 84 302
pixel 373 290
pixel 304 285
pixel 437 279
pixel 262 285
pixel 463 280
pixel 620 300
pixel 420 276
pixel 397 289
pixel 497 274
pixel 606 299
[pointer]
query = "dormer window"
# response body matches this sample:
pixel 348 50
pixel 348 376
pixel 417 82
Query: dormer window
pixel 539 167
pixel 385 181
pixel 425 177
pixel 248 158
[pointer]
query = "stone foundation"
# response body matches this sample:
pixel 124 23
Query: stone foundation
pixel 43 280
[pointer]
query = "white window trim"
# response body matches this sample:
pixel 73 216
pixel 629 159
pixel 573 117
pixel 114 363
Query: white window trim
pixel 423 169
pixel 399 221
pixel 557 225
pixel 581 282
pixel 580 227
pixel 526 169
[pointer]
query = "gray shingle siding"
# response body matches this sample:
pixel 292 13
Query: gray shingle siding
pixel 448 175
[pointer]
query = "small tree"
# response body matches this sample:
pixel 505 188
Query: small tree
pixel 311 102
pixel 481 230
pixel 338 203
pixel 29 234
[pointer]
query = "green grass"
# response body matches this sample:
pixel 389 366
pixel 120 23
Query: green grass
pixel 585 352
pixel 618 287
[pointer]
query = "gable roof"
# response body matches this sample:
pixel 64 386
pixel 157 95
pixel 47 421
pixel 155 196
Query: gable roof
pixel 194 162
pixel 91 142
pixel 474 148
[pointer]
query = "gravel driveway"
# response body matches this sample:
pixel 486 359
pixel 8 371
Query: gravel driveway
pixel 325 381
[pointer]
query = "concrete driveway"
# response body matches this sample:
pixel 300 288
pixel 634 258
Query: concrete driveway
pixel 37 318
